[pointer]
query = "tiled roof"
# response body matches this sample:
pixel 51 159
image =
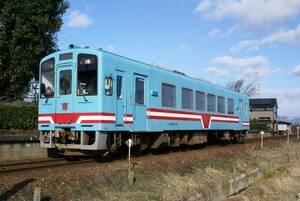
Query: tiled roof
pixel 263 103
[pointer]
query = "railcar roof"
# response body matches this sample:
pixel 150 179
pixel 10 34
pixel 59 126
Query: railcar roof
pixel 175 72
pixel 152 65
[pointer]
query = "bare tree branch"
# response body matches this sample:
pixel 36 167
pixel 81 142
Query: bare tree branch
pixel 241 87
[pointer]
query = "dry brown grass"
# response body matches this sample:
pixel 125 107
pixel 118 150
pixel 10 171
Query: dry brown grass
pixel 200 183
pixel 283 184
pixel 199 186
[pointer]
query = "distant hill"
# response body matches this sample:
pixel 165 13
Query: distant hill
pixel 293 120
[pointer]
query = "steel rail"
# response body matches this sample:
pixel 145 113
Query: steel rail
pixel 29 162
pixel 13 167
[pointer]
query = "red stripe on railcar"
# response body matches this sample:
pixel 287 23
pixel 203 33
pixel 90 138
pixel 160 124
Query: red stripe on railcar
pixel 97 121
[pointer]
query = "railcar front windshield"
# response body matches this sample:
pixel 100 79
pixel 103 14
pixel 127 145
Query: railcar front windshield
pixel 87 75
pixel 47 79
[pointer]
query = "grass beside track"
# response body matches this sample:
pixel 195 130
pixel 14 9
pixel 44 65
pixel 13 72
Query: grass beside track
pixel 175 176
pixel 185 180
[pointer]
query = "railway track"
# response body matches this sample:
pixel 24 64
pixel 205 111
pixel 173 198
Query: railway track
pixel 253 139
pixel 29 165
pixel 13 167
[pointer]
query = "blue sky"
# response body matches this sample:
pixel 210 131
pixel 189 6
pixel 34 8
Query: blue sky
pixel 217 40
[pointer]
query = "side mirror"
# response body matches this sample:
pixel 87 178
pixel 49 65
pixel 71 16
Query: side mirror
pixel 108 85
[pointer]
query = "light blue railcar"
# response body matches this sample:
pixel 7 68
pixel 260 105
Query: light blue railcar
pixel 93 100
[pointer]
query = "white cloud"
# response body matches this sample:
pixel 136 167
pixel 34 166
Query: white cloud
pixel 257 66
pixel 183 46
pixel 221 34
pixel 296 70
pixel 215 32
pixel 251 12
pixel 204 5
pixel 285 94
pixel 78 19
pixel 241 63
pixel 245 44
pixel 291 37
pixel 288 99
pixel 217 72
pixel 261 72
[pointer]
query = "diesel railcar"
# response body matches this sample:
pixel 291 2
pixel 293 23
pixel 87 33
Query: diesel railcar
pixel 91 101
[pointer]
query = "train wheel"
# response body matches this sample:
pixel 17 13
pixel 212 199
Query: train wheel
pixel 224 142
pixel 53 153
pixel 241 138
pixel 104 157
pixel 137 150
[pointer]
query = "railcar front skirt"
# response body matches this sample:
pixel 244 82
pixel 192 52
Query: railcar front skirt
pixel 80 140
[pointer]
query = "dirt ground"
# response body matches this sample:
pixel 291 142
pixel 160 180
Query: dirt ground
pixel 175 176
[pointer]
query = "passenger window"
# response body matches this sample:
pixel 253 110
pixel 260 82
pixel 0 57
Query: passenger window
pixel 221 104
pixel 65 82
pixel 230 106
pixel 211 103
pixel 186 98
pixel 139 90
pixel 200 101
pixel 168 95
pixel 87 75
pixel 119 87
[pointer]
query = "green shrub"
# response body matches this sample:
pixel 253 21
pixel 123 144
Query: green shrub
pixel 18 116
pixel 256 125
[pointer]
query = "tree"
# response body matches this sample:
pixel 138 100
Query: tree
pixel 241 87
pixel 27 33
